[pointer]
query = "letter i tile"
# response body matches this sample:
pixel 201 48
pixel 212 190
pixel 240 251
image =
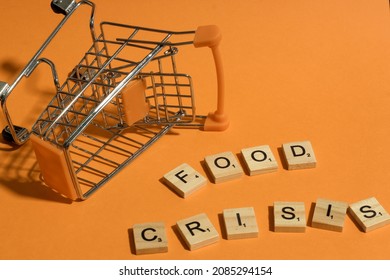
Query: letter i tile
pixel 240 223
pixel 329 215
pixel 184 180
pixel 197 231
pixel 150 238
pixel 369 214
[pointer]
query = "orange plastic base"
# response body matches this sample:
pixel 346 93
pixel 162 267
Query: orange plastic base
pixel 216 122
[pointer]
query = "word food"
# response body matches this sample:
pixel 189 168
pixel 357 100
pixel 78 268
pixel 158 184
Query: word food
pixel 185 180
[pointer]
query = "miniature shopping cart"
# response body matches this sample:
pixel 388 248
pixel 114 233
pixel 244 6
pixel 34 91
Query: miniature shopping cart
pixel 123 95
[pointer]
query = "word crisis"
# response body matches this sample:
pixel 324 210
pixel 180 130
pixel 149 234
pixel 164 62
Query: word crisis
pixel 198 231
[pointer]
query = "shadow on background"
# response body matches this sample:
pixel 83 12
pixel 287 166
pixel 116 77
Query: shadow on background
pixel 19 173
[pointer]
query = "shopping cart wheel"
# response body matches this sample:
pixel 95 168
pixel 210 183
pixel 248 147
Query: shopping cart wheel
pixel 21 132
pixel 62 6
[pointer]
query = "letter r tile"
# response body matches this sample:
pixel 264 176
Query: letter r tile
pixel 197 231
pixel 184 180
pixel 369 214
pixel 150 238
pixel 299 155
pixel 223 167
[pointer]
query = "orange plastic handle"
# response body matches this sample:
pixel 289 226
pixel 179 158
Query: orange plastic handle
pixel 210 36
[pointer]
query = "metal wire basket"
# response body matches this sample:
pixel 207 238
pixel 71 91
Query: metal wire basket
pixel 123 95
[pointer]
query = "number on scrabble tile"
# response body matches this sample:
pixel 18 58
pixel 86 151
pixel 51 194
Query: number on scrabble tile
pixel 289 217
pixel 329 214
pixel 197 231
pixel 150 238
pixel 299 155
pixel 240 223
pixel 259 160
pixel 369 214
pixel 184 180
pixel 223 167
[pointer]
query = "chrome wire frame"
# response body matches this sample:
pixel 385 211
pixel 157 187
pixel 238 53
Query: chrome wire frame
pixel 85 118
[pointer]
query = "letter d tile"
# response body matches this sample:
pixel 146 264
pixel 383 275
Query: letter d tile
pixel 299 155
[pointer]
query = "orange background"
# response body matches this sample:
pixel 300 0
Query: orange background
pixel 295 70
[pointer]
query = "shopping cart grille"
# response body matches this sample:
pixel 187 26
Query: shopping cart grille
pixel 170 97
pixel 99 72
pixel 97 154
pixel 122 96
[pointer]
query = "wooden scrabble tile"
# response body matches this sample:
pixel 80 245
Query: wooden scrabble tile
pixel 299 155
pixel 184 180
pixel 197 231
pixel 223 167
pixel 329 214
pixel 289 217
pixel 150 238
pixel 259 160
pixel 240 223
pixel 369 214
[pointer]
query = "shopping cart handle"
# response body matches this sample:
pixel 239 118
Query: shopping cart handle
pixel 207 36
pixel 11 133
pixel 210 36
